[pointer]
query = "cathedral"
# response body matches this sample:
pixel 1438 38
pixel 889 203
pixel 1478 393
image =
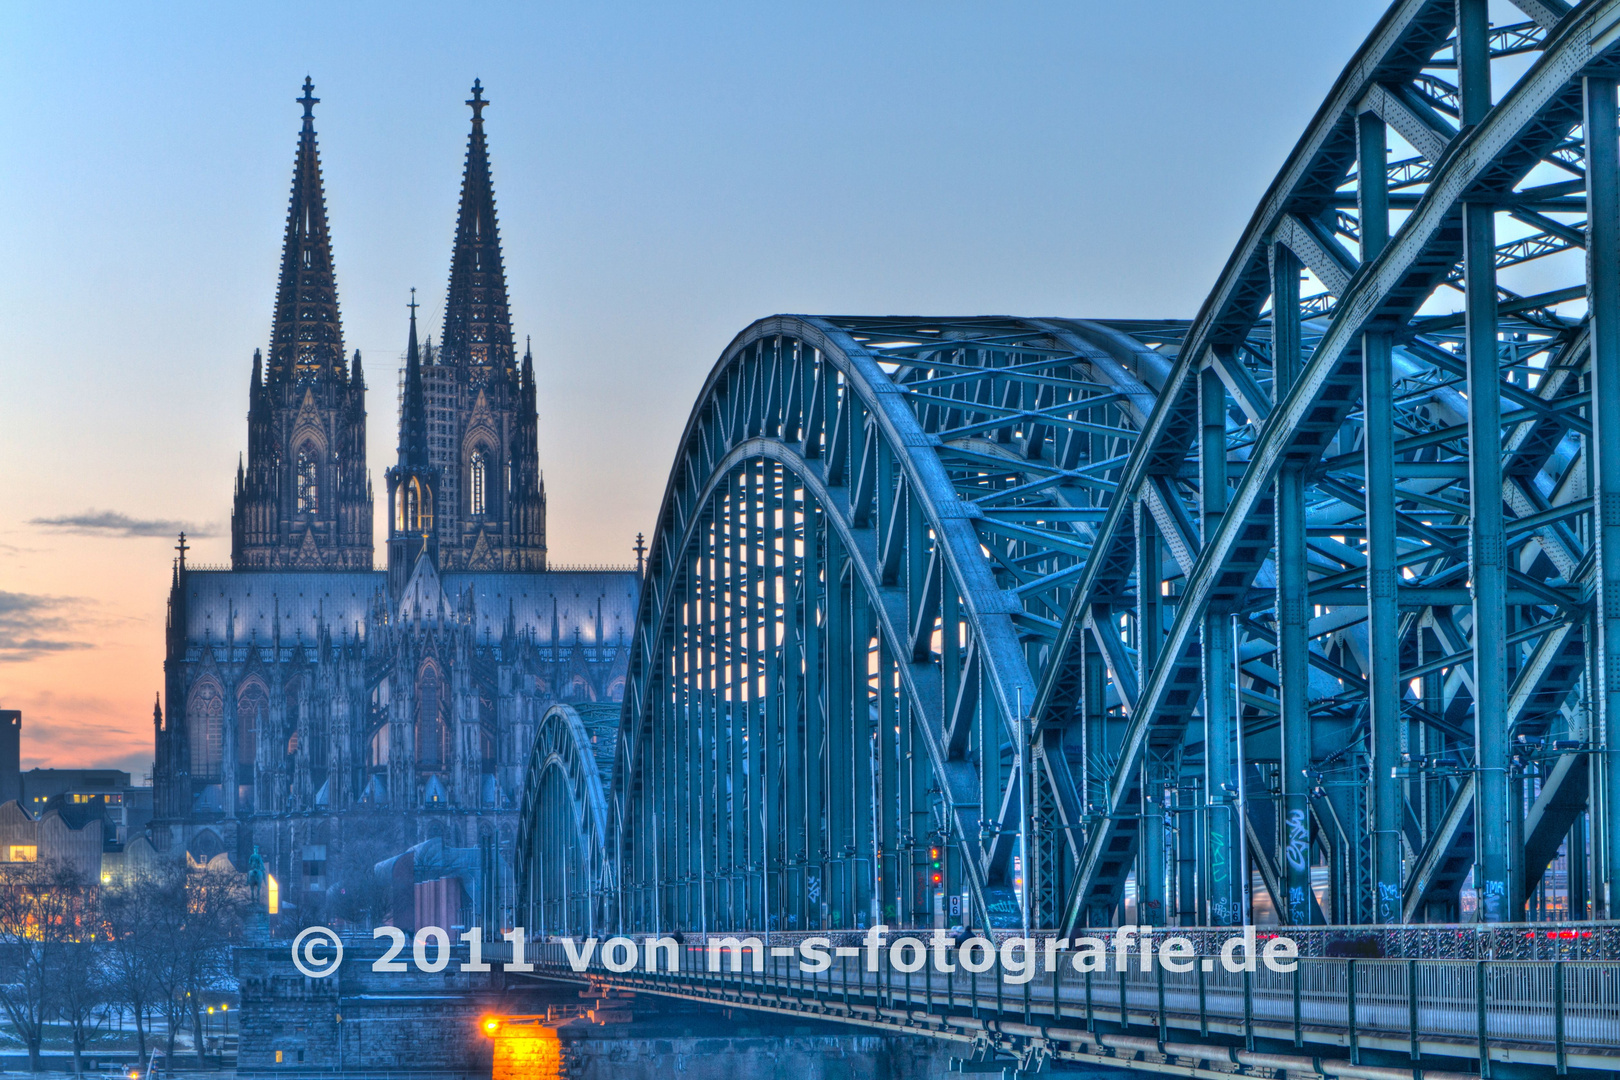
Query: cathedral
pixel 306 688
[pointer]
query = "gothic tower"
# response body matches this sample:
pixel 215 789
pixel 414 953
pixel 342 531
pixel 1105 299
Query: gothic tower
pixel 414 481
pixel 303 499
pixel 480 403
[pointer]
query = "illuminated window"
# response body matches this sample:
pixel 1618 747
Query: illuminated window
pixel 308 481
pixel 22 853
pixel 417 512
pixel 272 893
pixel 479 468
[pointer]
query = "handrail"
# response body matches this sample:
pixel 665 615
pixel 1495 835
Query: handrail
pixel 1519 1007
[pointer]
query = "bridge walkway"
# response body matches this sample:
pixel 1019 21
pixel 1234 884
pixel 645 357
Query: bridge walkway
pixel 1435 1016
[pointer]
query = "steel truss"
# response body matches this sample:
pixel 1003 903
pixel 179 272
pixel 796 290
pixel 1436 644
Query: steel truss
pixel 866 548
pixel 565 875
pixel 1415 613
pixel 1320 591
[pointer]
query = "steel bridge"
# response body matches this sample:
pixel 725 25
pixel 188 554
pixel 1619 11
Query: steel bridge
pixel 1305 611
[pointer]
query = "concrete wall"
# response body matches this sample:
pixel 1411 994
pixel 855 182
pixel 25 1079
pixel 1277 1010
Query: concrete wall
pixel 358 1018
pixel 362 1020
pixel 586 1055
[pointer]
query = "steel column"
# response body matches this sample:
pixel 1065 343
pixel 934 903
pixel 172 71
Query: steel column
pixel 1293 599
pixel 1150 876
pixel 1383 608
pixel 1218 895
pixel 1486 532
pixel 1603 285
pixel 1224 876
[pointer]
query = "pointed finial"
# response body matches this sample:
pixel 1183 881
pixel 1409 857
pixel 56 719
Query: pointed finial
pixel 641 551
pixel 478 101
pixel 182 547
pixel 309 99
pixel 413 305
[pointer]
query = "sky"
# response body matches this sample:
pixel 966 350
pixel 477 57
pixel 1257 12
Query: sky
pixel 665 174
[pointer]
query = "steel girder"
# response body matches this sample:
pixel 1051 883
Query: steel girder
pixel 1353 521
pixel 867 543
pixel 565 876
pixel 1385 568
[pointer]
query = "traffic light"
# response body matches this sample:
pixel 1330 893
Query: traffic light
pixel 935 873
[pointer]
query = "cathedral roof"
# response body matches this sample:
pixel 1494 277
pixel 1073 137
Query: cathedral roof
pixel 552 607
pixel 307 336
pixel 424 595
pixel 248 604
pixel 575 596
pixel 477 319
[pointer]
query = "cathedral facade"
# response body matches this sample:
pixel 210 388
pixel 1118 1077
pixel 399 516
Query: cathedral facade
pixel 310 695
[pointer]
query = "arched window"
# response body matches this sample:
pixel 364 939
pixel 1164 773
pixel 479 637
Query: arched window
pixel 379 748
pixel 205 712
pixel 479 468
pixel 418 506
pixel 309 489
pixel 430 727
pixel 252 714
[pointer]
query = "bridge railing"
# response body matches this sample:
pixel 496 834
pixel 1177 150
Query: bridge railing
pixel 1563 1006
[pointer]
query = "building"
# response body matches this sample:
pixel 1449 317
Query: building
pixel 305 688
pixel 84 818
pixel 53 837
pixel 82 794
pixel 10 755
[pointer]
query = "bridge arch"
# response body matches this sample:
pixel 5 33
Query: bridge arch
pixel 564 869
pixel 1313 589
pixel 1405 593
pixel 865 544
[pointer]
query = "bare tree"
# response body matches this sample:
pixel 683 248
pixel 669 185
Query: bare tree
pixel 82 983
pixel 127 919
pixel 216 903
pixel 41 906
pixel 170 934
pixel 168 959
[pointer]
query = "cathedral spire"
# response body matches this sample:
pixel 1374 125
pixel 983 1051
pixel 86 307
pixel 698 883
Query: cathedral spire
pixel 305 499
pixel 413 441
pixel 307 337
pixel 477 320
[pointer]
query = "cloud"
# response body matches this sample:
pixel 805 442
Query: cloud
pixel 112 523
pixel 84 731
pixel 32 626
